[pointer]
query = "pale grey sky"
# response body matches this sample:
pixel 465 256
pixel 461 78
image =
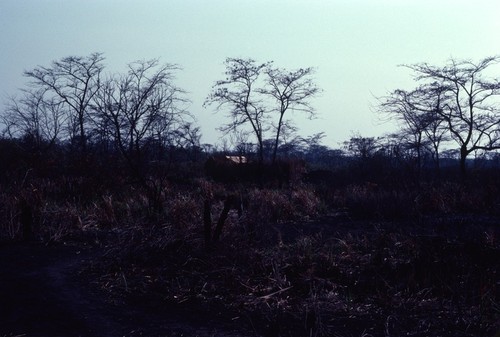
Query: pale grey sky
pixel 355 45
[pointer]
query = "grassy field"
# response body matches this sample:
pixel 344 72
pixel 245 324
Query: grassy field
pixel 316 259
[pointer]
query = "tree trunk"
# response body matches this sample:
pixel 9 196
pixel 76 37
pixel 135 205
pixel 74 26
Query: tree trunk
pixel 261 149
pixel 83 140
pixel 463 161
pixel 275 150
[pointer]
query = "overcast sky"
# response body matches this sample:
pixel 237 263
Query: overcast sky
pixel 355 45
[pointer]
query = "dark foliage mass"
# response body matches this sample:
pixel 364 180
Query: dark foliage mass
pixel 279 173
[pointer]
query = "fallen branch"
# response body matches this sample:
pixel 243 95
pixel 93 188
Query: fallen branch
pixel 266 297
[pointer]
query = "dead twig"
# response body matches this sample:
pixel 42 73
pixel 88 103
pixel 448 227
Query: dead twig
pixel 268 296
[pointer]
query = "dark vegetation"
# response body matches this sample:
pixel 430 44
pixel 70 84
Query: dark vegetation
pixel 328 254
pixel 384 237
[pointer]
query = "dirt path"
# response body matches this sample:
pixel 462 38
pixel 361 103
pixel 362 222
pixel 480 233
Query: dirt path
pixel 41 294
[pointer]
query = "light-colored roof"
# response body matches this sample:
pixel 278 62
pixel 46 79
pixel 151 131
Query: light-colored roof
pixel 237 159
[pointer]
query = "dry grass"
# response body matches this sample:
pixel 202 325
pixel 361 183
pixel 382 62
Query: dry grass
pixel 390 281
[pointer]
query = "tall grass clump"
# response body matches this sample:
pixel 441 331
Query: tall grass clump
pixel 275 205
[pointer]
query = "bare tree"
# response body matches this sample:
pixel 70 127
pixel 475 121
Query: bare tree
pixel 239 93
pixel 34 116
pixel 422 127
pixel 241 143
pixel 436 129
pixel 291 90
pixel 187 136
pixel 469 104
pixel 259 95
pixel 73 81
pixel 143 104
pixel 141 107
pixel 361 147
